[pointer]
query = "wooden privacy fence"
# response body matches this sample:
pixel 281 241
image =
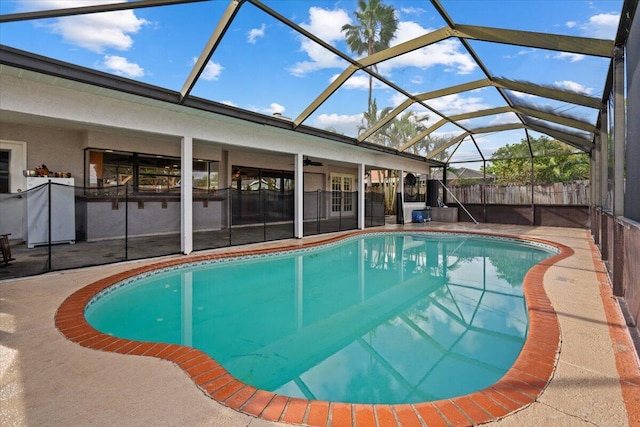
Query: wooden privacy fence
pixel 573 193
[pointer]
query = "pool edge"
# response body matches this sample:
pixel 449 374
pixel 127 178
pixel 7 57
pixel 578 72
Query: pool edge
pixel 516 390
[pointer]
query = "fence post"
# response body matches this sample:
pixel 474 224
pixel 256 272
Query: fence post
pixel 340 211
pixel 318 194
pixel 49 228
pixel 126 221
pixel 229 211
pixel 533 191
pixel 367 202
pixel 264 214
pixel 484 191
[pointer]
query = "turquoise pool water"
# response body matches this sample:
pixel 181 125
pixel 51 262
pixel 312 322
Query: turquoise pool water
pixel 389 318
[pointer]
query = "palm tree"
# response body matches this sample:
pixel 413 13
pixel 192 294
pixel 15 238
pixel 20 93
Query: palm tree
pixel 376 26
pixel 405 127
pixel 370 118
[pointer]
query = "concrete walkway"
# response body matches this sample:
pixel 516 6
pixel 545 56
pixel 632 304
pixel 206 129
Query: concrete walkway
pixel 47 380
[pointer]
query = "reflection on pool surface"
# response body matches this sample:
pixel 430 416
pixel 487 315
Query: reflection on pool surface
pixel 389 318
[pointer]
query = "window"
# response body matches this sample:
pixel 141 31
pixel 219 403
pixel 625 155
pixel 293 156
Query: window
pixel 4 171
pixel 205 175
pixel 156 174
pixel 147 173
pixel 252 179
pixel 342 196
pixel 415 187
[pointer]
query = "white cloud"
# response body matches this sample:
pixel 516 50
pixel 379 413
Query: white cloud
pixel 254 33
pixel 522 52
pixel 573 87
pixel 95 32
pixel 503 119
pixel 320 59
pixel 412 10
pixel 447 52
pixel 341 123
pixel 397 98
pixel 446 134
pixel 122 67
pixel 211 71
pixel 327 25
pixel 572 57
pixel 570 24
pixel 274 108
pixel 358 81
pixel 602 26
pixel 456 104
pixel 522 95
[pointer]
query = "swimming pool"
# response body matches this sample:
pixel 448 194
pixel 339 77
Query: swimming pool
pixel 388 318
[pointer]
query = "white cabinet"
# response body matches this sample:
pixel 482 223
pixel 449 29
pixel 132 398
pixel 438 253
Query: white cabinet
pixel 63 211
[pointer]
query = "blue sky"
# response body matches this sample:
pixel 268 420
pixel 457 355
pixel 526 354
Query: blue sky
pixel 264 66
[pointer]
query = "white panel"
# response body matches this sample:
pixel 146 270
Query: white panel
pixel 63 213
pixel 186 196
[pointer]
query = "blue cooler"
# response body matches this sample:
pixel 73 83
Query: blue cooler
pixel 417 216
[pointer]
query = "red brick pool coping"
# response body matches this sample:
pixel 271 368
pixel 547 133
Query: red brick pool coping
pixel 517 389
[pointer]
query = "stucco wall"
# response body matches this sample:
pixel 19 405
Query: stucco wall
pixel 152 144
pixel 63 149
pixel 27 98
pixel 59 149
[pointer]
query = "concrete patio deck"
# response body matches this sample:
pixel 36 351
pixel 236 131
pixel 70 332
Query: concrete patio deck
pixel 47 380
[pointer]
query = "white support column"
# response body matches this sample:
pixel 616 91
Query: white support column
pixel 361 201
pixel 299 197
pixel 186 196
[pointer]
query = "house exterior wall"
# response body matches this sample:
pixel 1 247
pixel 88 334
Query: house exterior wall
pixel 25 97
pixel 118 141
pixel 58 123
pixel 263 160
pixel 58 149
pixel 63 149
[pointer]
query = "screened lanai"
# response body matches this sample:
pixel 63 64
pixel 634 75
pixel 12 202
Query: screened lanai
pixel 265 94
pixel 141 134
pixel 461 73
